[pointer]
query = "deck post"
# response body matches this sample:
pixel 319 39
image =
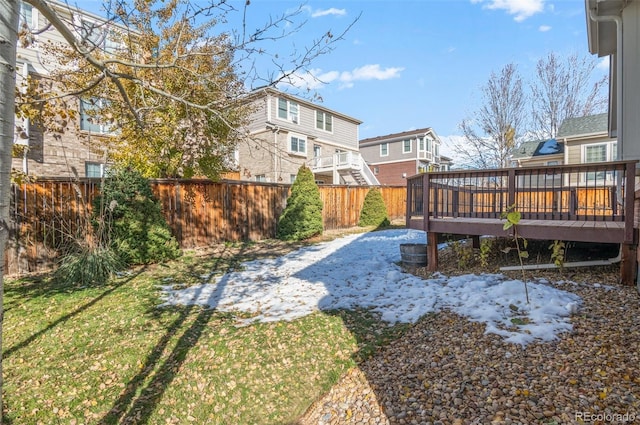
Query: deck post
pixel 629 202
pixel 628 265
pixel 432 252
pixel 409 204
pixel 426 208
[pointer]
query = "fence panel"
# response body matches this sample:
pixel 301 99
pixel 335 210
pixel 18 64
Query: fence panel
pixel 199 212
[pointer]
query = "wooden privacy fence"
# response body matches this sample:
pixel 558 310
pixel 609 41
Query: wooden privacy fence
pixel 199 212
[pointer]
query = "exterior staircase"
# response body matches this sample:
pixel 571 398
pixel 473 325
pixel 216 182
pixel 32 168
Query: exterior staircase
pixel 349 167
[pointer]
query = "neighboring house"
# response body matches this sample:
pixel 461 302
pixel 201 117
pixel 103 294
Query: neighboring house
pixel 613 28
pixel 394 157
pixel 74 152
pixel 287 132
pixel 579 141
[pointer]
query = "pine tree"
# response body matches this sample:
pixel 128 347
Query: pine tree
pixel 374 210
pixel 302 217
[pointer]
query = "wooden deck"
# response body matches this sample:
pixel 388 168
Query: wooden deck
pixel 582 203
pixel 573 230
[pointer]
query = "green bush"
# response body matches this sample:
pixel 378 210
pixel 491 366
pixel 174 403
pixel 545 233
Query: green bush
pixel 138 231
pixel 374 210
pixel 302 217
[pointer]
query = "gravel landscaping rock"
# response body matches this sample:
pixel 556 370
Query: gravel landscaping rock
pixel 446 370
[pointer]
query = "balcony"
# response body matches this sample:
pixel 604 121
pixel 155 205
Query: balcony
pixel 343 164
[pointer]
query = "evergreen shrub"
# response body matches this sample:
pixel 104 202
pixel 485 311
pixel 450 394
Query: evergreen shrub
pixel 374 210
pixel 302 217
pixel 139 233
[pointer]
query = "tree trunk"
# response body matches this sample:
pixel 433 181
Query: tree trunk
pixel 9 15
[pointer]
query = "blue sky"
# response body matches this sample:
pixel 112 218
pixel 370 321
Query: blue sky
pixel 412 64
pixel 409 64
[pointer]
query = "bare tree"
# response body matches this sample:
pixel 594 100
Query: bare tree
pixel 146 75
pixel 565 89
pixel 491 134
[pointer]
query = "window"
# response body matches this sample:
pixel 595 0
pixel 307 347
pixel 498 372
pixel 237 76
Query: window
pixel 93 169
pixel 27 16
pixel 376 170
pixel 261 178
pixel 298 145
pixel 292 178
pixel 324 121
pixel 406 146
pixel 600 153
pixel 596 153
pixel 287 110
pixel 89 119
pixel 384 149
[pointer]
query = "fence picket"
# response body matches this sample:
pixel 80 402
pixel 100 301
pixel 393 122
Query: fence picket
pixel 199 212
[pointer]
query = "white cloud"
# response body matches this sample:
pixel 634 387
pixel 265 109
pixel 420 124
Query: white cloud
pixel 603 64
pixel 370 72
pixel 326 12
pixel 315 78
pixel 522 9
pixel 544 28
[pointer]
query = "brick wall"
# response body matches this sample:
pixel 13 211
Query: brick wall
pixel 391 174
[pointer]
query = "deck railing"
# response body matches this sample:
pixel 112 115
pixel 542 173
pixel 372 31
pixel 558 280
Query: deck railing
pixel 598 192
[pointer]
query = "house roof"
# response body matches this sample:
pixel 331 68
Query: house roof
pixel 399 136
pixel 273 91
pixel 538 148
pixel 591 124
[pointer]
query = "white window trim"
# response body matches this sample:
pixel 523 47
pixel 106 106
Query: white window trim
pixel 103 128
pixel 384 144
pixel 608 158
pixel 290 116
pixel 101 165
pixel 298 152
pixel 324 121
pixel 410 146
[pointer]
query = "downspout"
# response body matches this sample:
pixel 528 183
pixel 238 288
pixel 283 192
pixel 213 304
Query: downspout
pixel 619 105
pixel 276 130
pixel 618 20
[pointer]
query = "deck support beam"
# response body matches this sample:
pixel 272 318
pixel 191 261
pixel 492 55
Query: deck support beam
pixel 432 252
pixel 628 264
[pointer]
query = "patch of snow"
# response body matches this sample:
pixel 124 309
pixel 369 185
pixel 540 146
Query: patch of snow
pixel 362 271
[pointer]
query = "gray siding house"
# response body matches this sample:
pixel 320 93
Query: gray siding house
pixel 580 140
pixel 76 152
pixel 613 29
pixel 394 157
pixel 286 132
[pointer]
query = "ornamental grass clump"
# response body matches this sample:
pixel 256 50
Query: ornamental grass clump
pixel 302 217
pixel 374 210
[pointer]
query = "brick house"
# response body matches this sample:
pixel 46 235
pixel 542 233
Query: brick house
pixel 394 157
pixel 77 151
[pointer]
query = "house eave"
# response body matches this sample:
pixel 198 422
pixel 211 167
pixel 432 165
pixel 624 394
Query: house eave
pixel 601 34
